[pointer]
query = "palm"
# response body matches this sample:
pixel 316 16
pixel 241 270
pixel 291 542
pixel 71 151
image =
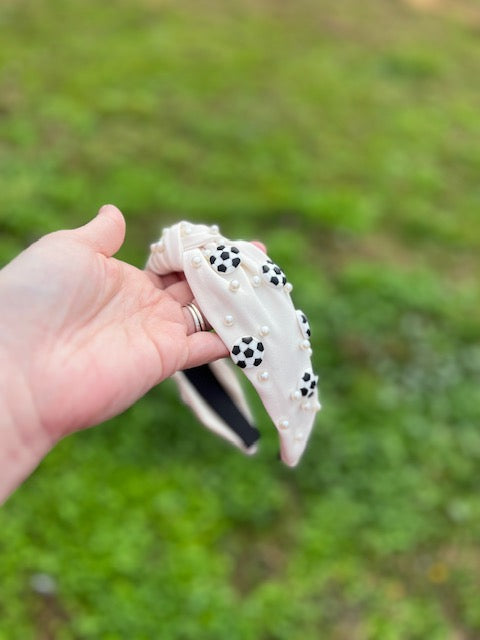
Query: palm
pixel 111 332
pixel 119 336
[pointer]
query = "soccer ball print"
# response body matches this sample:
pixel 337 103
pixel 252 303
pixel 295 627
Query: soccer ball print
pixel 308 383
pixel 272 274
pixel 304 324
pixel 225 258
pixel 247 352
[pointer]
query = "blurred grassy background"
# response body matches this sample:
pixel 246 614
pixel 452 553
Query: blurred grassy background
pixel 346 136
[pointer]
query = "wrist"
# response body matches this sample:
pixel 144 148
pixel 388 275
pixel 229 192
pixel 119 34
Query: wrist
pixel 23 440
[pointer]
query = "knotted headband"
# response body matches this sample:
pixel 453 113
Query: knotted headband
pixel 246 298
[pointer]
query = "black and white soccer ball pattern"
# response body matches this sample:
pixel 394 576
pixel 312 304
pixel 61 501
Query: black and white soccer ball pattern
pixel 272 274
pixel 225 258
pixel 304 324
pixel 308 383
pixel 247 352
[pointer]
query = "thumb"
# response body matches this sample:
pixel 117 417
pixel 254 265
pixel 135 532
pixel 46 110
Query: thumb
pixel 106 232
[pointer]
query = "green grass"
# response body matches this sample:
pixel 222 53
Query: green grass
pixel 345 135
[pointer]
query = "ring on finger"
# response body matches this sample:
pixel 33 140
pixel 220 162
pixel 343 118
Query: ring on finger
pixel 197 317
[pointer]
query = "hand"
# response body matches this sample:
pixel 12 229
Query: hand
pixel 88 334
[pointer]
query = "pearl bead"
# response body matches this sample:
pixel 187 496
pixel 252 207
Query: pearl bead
pixel 256 281
pixel 234 285
pixel 157 246
pixel 288 287
pixel 283 424
pixel 196 261
pixel 214 228
pixel 228 320
pixel 264 331
pixel 306 406
pixel 299 435
pixel 264 376
pixel 296 395
pixel 305 344
pixel 310 352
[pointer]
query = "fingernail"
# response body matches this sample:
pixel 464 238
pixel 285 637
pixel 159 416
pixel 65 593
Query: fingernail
pixel 107 207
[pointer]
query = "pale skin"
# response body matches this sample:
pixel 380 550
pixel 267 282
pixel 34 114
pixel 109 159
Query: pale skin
pixel 84 335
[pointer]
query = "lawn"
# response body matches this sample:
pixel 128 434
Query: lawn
pixel 346 136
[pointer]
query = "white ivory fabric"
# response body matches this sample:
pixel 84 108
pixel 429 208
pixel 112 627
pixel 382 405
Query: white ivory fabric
pixel 246 299
pixel 204 412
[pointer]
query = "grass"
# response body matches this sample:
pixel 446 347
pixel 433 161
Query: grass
pixel 345 135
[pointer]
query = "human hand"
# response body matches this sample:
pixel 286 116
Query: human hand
pixel 88 334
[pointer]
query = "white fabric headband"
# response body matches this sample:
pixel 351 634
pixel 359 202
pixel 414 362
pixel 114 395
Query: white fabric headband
pixel 246 299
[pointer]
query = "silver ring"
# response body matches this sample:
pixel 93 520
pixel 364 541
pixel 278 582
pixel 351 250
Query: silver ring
pixel 198 320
